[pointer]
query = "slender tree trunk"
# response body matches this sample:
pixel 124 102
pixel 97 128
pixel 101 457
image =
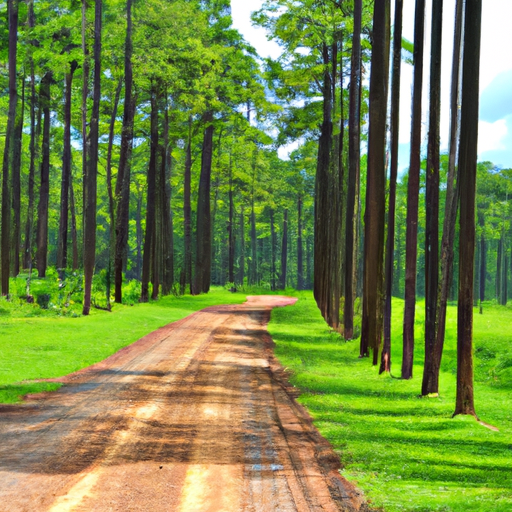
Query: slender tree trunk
pixel 373 295
pixel 231 238
pixel 498 270
pixel 110 191
pixel 124 171
pixel 300 257
pixel 74 234
pixel 187 209
pixel 85 95
pixel 167 220
pixel 430 370
pixel 150 201
pixel 16 184
pixel 354 158
pixel 253 278
pixel 467 168
pixel 452 192
pixel 323 206
pixel 92 167
pixel 272 251
pixel 203 231
pixel 385 364
pixel 284 250
pixel 62 240
pixel 44 187
pixel 34 133
pixel 241 268
pixel 413 187
pixel 8 160
pixel 483 258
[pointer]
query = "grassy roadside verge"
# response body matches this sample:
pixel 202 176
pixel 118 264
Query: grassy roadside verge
pixel 52 346
pixel 406 453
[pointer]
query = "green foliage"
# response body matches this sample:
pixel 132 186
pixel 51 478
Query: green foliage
pixel 407 453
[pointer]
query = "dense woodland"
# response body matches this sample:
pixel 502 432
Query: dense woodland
pixel 140 142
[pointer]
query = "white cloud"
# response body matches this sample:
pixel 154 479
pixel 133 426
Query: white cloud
pixel 491 135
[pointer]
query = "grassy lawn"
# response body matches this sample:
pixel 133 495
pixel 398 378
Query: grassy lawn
pixel 39 347
pixel 407 453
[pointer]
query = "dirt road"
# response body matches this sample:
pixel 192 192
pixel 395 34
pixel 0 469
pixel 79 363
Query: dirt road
pixel 194 417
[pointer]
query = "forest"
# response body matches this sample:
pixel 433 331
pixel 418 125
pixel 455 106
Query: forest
pixel 140 144
pixel 142 162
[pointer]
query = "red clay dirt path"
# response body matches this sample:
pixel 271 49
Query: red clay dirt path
pixel 195 417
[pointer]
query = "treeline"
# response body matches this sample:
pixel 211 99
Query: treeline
pixel 133 143
pixel 363 233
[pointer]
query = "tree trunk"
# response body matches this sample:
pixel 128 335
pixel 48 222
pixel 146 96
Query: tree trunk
pixel 203 231
pixel 231 237
pixel 323 250
pixel 300 250
pixel 74 234
pixel 284 250
pixel 241 268
pixel 124 170
pixel 92 167
pixel 150 201
pixel 8 160
pixel 413 187
pixel 167 220
pixel 34 137
pixel 499 271
pixel 467 168
pixel 16 184
pixel 373 296
pixel 85 95
pixel 452 192
pixel 273 243
pixel 430 370
pixel 354 158
pixel 385 365
pixel 44 187
pixel 62 239
pixel 253 277
pixel 187 209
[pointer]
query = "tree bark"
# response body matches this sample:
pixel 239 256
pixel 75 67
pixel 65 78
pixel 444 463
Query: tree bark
pixel 241 267
pixel 167 220
pixel 150 201
pixel 467 168
pixel 373 295
pixel 34 137
pixel 385 365
pixel 44 187
pixel 430 370
pixel 8 159
pixel 203 230
pixel 231 237
pixel 124 171
pixel 354 158
pixel 300 243
pixel 16 184
pixel 187 209
pixel 284 250
pixel 452 192
pixel 92 167
pixel 411 237
pixel 62 239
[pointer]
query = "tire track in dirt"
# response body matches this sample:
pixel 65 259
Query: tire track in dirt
pixel 196 416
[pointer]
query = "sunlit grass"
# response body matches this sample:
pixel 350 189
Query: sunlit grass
pixel 407 453
pixel 51 346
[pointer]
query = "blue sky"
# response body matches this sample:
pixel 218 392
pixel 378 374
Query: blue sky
pixel 495 130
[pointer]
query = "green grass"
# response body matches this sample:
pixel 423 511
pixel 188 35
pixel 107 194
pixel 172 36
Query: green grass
pixel 38 347
pixel 407 453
